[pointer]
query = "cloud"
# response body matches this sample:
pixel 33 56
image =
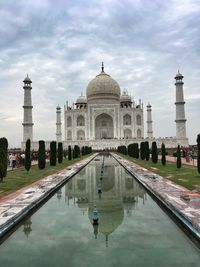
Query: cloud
pixel 142 43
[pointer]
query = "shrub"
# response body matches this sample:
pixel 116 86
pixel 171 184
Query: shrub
pixel 163 152
pixel 41 155
pixel 198 153
pixel 28 155
pixel 69 153
pixel 146 145
pixel 142 150
pixel 60 152
pixel 3 158
pixel 178 160
pixel 154 152
pixel 53 153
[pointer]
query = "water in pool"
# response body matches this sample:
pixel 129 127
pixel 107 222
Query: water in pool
pixel 132 230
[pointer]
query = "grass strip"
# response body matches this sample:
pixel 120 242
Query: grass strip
pixel 19 178
pixel 186 176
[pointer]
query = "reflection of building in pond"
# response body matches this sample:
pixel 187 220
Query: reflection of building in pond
pixel 27 227
pixel 59 194
pixel 120 193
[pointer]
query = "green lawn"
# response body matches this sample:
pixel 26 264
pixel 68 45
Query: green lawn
pixel 19 178
pixel 186 176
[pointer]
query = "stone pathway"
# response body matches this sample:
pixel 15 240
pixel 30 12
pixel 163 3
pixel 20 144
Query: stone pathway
pixel 192 162
pixel 16 206
pixel 183 203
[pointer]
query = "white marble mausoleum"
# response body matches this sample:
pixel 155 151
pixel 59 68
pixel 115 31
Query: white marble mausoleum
pixel 105 117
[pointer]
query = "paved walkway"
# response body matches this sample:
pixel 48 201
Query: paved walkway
pixel 191 162
pixel 183 203
pixel 16 206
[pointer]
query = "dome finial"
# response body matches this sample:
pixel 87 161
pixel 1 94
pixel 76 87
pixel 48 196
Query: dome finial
pixel 102 67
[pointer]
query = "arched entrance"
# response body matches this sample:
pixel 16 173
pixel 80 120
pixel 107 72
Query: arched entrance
pixel 104 127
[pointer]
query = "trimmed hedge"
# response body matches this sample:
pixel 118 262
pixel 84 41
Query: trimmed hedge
pixel 60 152
pixel 41 155
pixel 53 153
pixel 154 153
pixel 3 158
pixel 28 155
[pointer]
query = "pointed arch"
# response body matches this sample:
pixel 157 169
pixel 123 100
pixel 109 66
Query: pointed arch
pixel 138 120
pixel 69 135
pixel 104 127
pixel 127 134
pixel 127 119
pixel 139 133
pixel 80 120
pixel 69 121
pixel 80 135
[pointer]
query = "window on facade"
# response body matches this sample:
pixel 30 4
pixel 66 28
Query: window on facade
pixel 80 135
pixel 69 135
pixel 127 119
pixel 127 134
pixel 69 121
pixel 138 120
pixel 80 121
pixel 139 133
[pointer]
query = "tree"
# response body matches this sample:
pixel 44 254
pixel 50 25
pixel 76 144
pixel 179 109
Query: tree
pixel 83 150
pixel 76 151
pixel 146 145
pixel 163 152
pixel 41 155
pixel 142 150
pixel 198 155
pixel 60 152
pixel 120 149
pixel 3 158
pixel 137 152
pixel 53 153
pixel 69 153
pixel 154 152
pixel 130 150
pixel 178 159
pixel 28 155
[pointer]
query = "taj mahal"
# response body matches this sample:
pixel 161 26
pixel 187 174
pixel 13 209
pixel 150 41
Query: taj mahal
pixel 106 117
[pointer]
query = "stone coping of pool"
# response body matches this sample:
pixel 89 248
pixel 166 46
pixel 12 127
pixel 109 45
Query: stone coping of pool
pixel 15 208
pixel 181 202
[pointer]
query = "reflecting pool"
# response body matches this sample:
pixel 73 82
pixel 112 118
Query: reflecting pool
pixel 132 230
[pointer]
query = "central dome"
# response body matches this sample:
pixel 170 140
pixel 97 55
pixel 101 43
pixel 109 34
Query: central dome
pixel 103 87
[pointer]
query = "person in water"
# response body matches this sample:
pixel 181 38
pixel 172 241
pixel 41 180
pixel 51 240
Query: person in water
pixel 95 215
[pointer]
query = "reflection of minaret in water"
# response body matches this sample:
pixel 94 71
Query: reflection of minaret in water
pixel 59 194
pixel 27 227
pixel 95 226
pixel 106 240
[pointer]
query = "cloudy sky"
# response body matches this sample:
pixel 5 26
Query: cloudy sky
pixel 61 43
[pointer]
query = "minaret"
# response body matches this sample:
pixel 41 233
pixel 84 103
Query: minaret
pixel 27 122
pixel 58 124
pixel 149 122
pixel 180 109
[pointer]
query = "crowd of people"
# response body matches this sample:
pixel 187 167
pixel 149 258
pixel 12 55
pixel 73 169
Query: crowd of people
pixel 16 160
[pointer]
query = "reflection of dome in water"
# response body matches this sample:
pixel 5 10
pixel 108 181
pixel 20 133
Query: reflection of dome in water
pixel 111 215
